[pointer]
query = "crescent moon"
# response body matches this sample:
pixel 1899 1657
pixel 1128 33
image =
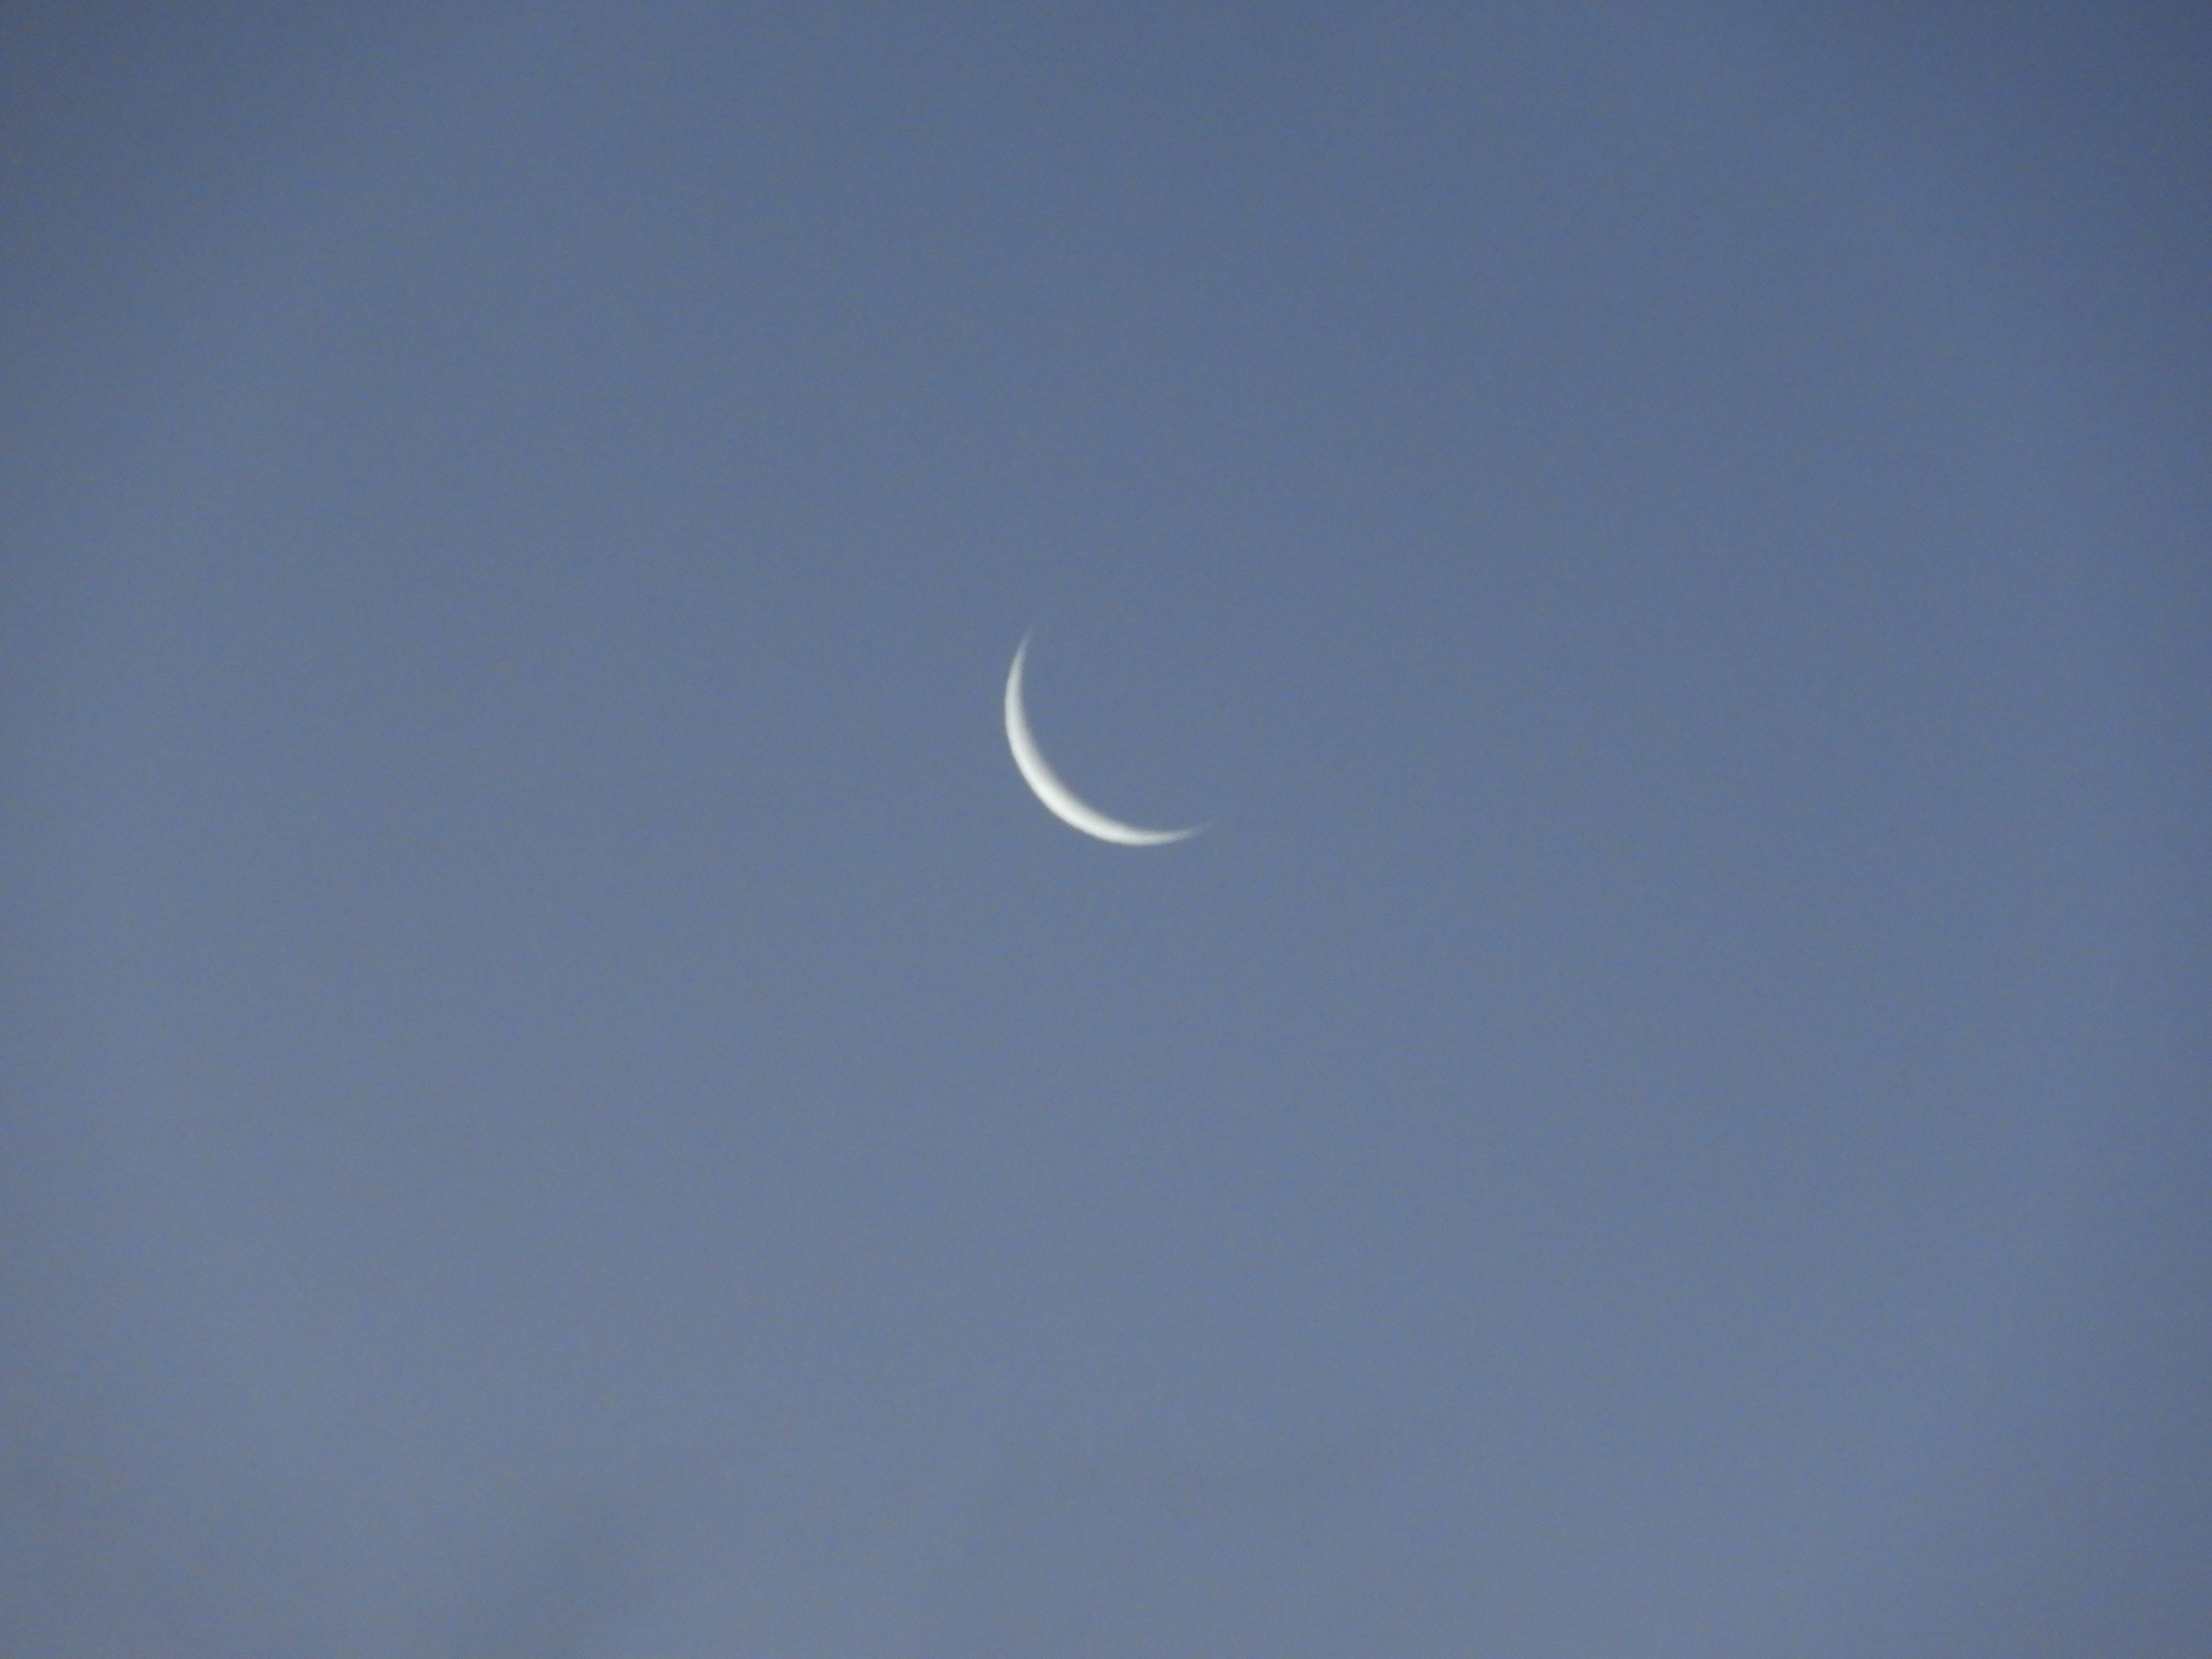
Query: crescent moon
pixel 1064 802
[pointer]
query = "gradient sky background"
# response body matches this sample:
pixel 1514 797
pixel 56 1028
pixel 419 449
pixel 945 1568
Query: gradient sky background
pixel 563 1099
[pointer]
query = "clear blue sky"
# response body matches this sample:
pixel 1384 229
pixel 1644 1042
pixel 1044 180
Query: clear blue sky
pixel 558 1097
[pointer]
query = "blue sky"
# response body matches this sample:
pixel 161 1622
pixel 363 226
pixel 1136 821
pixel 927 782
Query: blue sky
pixel 562 1097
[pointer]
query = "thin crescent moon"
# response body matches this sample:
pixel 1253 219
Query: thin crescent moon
pixel 1063 802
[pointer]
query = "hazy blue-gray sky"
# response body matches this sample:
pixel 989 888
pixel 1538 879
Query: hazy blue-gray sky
pixel 560 1097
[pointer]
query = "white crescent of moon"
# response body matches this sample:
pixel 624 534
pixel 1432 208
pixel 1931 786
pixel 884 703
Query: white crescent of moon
pixel 1063 802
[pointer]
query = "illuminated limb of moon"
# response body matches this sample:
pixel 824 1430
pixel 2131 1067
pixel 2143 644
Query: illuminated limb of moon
pixel 1063 802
